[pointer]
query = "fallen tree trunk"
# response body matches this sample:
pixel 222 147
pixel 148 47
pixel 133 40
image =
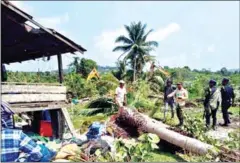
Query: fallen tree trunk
pixel 143 122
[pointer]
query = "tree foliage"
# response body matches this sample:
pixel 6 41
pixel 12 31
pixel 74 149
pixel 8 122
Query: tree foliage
pixel 82 66
pixel 121 71
pixel 135 46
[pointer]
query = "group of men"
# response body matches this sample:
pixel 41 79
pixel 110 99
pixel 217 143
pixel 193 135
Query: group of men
pixel 176 99
pixel 213 99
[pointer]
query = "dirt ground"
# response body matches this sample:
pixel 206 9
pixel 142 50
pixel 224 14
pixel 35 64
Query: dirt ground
pixel 222 132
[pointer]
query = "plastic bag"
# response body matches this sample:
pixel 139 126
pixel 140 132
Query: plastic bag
pixel 67 150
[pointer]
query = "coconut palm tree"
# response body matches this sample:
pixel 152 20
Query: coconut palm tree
pixel 75 65
pixel 135 46
pixel 121 71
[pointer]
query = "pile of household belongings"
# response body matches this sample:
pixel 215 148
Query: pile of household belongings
pixel 80 148
pixel 83 147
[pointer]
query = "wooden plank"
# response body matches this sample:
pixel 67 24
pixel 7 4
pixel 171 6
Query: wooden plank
pixel 33 89
pixel 69 122
pixel 26 83
pixel 39 104
pixel 24 110
pixel 17 98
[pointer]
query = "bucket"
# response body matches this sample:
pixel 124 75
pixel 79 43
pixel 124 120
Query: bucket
pixel 45 128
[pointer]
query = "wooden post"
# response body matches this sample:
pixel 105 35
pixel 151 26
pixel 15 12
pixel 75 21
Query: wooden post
pixel 69 122
pixel 60 68
pixel 1 72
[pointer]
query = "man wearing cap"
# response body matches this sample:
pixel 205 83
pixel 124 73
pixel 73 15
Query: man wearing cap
pixel 180 95
pixel 168 89
pixel 211 103
pixel 228 96
pixel 120 94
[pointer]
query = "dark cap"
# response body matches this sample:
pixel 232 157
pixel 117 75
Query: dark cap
pixel 213 82
pixel 225 80
pixel 169 81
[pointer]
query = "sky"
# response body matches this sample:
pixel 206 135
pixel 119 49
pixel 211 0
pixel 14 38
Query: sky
pixel 198 34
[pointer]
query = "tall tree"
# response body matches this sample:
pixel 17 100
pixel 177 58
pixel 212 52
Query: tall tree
pixel 82 66
pixel 86 66
pixel 135 46
pixel 121 71
pixel 75 65
pixel 224 71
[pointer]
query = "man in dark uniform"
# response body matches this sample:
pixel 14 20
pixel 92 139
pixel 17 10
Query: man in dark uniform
pixel 168 101
pixel 211 103
pixel 228 96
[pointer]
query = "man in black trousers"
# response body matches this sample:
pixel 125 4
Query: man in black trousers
pixel 228 96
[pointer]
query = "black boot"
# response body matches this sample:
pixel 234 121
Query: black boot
pixel 214 127
pixel 224 124
pixel 180 123
pixel 229 122
pixel 208 126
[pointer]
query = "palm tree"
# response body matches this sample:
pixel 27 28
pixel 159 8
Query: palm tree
pixel 121 71
pixel 75 65
pixel 135 46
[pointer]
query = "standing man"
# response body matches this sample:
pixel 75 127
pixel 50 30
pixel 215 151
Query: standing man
pixel 228 96
pixel 120 94
pixel 180 95
pixel 168 89
pixel 211 103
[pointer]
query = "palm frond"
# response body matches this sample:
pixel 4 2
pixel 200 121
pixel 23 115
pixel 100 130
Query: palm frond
pixel 123 48
pixel 130 32
pixel 150 43
pixel 129 56
pixel 146 35
pixel 149 58
pixel 91 112
pixel 101 102
pixel 124 40
pixel 141 32
pixel 147 50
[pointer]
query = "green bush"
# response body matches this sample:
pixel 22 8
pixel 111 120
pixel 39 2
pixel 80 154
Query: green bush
pixel 78 85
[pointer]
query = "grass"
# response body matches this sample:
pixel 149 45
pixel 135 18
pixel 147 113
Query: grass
pixel 198 112
pixel 158 156
pixel 83 122
pixel 235 111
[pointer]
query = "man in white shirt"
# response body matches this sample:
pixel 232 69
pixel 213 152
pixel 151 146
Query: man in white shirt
pixel 120 94
pixel 180 95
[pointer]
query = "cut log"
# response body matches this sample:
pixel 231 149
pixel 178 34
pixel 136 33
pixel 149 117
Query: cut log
pixel 136 119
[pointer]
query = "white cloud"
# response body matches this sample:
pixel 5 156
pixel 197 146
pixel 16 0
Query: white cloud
pixel 174 60
pixel 211 48
pixel 162 33
pixel 23 6
pixel 49 22
pixel 53 22
pixel 105 42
